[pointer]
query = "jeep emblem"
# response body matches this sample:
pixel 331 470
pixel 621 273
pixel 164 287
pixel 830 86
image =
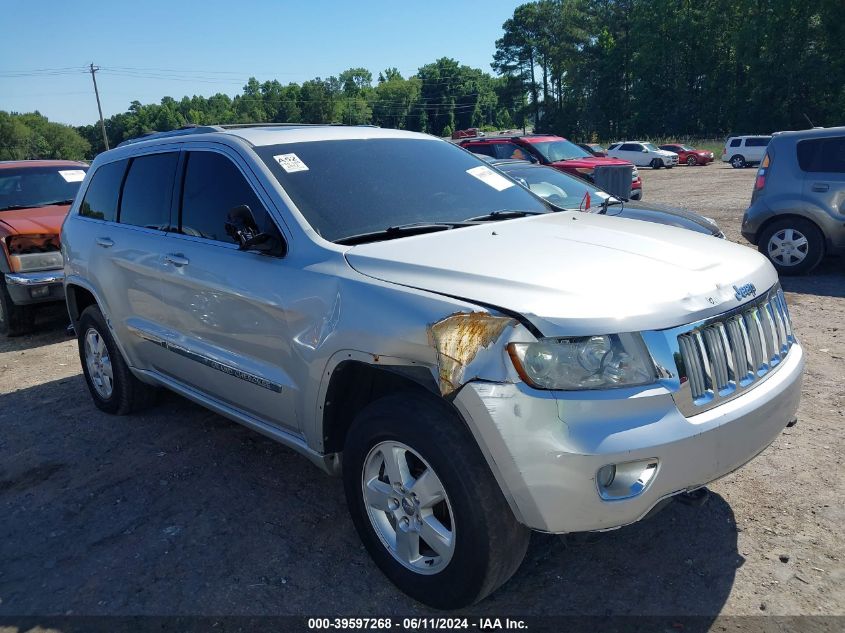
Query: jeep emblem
pixel 748 290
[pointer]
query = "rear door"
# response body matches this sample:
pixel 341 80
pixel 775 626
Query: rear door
pixel 227 309
pixel 125 262
pixel 823 162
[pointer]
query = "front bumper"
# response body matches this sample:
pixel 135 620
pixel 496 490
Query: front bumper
pixel 545 448
pixel 36 287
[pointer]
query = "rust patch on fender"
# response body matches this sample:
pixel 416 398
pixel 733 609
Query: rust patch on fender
pixel 458 338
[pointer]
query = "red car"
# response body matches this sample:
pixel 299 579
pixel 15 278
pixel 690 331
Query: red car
pixel 467 133
pixel 548 149
pixel 689 155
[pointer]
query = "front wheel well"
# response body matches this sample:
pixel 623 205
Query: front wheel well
pixel 78 298
pixel 355 384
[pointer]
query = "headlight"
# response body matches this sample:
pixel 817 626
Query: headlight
pixel 29 253
pixel 589 362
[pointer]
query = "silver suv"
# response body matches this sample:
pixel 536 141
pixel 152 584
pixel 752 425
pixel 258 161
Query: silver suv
pixel 473 363
pixel 797 212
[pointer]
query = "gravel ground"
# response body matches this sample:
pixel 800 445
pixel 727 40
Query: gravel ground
pixel 179 511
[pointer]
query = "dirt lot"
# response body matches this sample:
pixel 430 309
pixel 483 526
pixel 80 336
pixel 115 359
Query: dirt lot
pixel 179 511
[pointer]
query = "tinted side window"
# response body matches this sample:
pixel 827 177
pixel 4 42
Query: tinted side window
pixel 736 142
pixel 759 141
pixel 822 155
pixel 614 146
pixel 147 191
pixel 213 186
pixel 480 148
pixel 511 150
pixel 100 200
pixel 631 147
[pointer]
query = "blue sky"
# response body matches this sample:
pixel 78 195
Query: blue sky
pixel 157 48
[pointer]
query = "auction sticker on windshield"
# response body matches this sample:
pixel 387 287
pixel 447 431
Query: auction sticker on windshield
pixel 72 175
pixel 490 177
pixel 290 163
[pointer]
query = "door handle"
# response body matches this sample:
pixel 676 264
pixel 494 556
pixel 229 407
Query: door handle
pixel 105 242
pixel 176 259
pixel 821 186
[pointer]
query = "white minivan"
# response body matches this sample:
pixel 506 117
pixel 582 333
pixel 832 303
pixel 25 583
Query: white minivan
pixel 740 151
pixel 643 154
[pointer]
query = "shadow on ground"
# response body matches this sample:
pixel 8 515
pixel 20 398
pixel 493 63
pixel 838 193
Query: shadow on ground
pixel 179 511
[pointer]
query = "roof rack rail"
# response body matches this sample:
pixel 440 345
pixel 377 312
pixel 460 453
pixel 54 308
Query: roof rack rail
pixel 238 126
pixel 205 129
pixel 181 131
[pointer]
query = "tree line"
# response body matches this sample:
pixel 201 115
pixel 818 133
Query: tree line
pixel 588 69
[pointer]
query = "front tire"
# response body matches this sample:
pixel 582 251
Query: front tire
pixel 737 162
pixel 656 163
pixel 112 385
pixel 691 161
pixel 426 505
pixel 14 319
pixel 794 245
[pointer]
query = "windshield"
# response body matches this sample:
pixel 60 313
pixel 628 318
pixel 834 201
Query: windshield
pixel 649 147
pixel 562 190
pixel 24 187
pixel 687 148
pixel 562 149
pixel 354 186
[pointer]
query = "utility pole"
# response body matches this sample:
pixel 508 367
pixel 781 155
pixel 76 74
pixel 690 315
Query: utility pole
pixel 94 69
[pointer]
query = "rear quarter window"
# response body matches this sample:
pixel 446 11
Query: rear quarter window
pixel 100 201
pixel 736 142
pixel 822 155
pixel 758 141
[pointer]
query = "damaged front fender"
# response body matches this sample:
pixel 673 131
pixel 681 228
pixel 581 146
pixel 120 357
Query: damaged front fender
pixel 471 345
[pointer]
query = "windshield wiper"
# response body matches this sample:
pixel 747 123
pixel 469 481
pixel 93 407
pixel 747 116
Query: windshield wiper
pixel 400 230
pixel 47 204
pixel 503 214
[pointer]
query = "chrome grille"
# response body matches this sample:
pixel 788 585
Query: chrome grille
pixel 727 354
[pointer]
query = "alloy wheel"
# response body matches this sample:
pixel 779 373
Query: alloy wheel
pixel 788 247
pixel 99 365
pixel 408 507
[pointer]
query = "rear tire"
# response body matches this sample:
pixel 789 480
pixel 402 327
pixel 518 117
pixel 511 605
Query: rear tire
pixel 737 162
pixel 14 319
pixel 480 542
pixel 114 388
pixel 794 245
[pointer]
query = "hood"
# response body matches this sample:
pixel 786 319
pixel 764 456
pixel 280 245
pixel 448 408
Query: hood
pixel 665 152
pixel 588 161
pixel 575 274
pixel 667 215
pixel 45 220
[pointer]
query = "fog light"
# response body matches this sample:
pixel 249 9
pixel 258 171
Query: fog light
pixel 625 480
pixel 39 291
pixel 606 475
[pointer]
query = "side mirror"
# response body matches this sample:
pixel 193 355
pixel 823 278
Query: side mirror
pixel 243 228
pixel 645 151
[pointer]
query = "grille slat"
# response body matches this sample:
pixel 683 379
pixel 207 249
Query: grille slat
pixel 727 355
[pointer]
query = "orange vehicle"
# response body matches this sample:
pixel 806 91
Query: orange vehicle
pixel 35 196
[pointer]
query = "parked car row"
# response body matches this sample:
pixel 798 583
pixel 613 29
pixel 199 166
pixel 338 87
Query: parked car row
pixel 646 154
pixel 473 358
pixel 547 149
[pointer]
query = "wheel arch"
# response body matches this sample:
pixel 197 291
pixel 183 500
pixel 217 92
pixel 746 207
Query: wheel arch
pixel 356 380
pixel 793 214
